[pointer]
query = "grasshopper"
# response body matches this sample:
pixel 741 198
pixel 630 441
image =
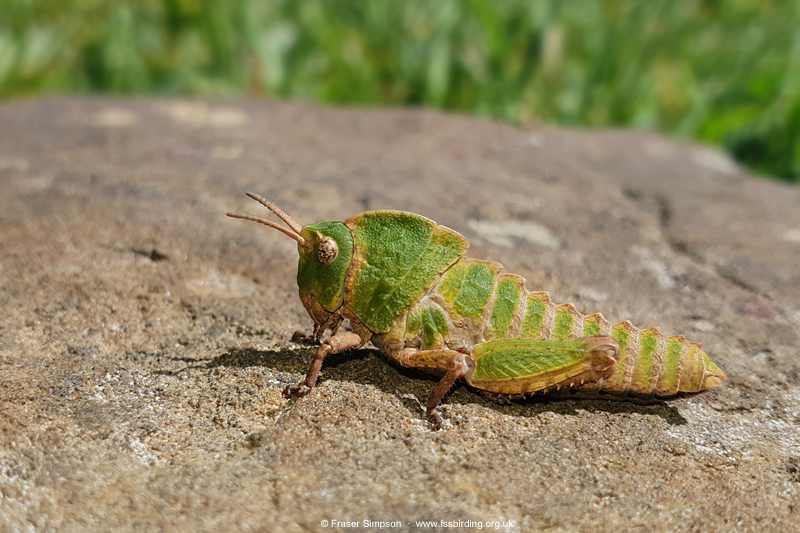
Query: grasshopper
pixel 404 284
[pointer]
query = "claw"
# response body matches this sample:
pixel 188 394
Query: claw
pixel 298 390
pixel 299 337
pixel 436 420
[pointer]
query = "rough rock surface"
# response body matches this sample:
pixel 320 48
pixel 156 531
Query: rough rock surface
pixel 145 338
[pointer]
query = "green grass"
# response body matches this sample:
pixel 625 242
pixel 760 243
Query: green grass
pixel 724 72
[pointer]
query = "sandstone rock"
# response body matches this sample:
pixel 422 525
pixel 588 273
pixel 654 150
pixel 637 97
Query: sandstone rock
pixel 145 338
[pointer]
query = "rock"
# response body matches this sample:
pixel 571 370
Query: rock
pixel 145 338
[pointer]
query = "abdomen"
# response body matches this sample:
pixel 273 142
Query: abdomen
pixel 473 302
pixel 651 366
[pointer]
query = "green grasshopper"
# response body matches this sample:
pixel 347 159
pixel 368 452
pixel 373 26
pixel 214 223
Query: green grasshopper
pixel 403 283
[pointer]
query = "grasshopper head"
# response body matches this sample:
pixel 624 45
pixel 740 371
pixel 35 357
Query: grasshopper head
pixel 326 250
pixel 323 268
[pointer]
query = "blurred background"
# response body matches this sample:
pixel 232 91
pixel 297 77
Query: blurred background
pixel 724 72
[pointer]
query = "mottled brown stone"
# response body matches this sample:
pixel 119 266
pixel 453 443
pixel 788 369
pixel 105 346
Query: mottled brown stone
pixel 145 337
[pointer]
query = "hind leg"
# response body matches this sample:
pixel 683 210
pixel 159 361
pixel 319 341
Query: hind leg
pixel 454 364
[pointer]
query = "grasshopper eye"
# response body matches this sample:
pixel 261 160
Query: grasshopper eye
pixel 327 251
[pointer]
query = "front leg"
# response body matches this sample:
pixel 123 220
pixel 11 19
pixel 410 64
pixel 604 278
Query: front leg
pixel 455 365
pixel 333 345
pixel 301 337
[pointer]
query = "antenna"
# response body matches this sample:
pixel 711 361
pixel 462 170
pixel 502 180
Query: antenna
pixel 292 231
pixel 277 210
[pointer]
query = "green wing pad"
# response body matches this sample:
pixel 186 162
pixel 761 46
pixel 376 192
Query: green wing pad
pixel 326 282
pixel 538 317
pixel 413 322
pixel 467 287
pixel 515 358
pixel 506 301
pixel 521 365
pixel 397 257
pixel 424 327
pixel 434 327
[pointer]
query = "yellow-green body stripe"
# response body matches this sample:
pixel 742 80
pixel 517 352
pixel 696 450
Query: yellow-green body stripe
pixel 467 287
pixel 692 371
pixel 596 325
pixel 645 359
pixel 669 378
pixel 535 315
pixel 562 324
pixel 591 328
pixel 627 338
pixel 504 306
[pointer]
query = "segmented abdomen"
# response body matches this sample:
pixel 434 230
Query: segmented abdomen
pixel 651 366
pixel 473 302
